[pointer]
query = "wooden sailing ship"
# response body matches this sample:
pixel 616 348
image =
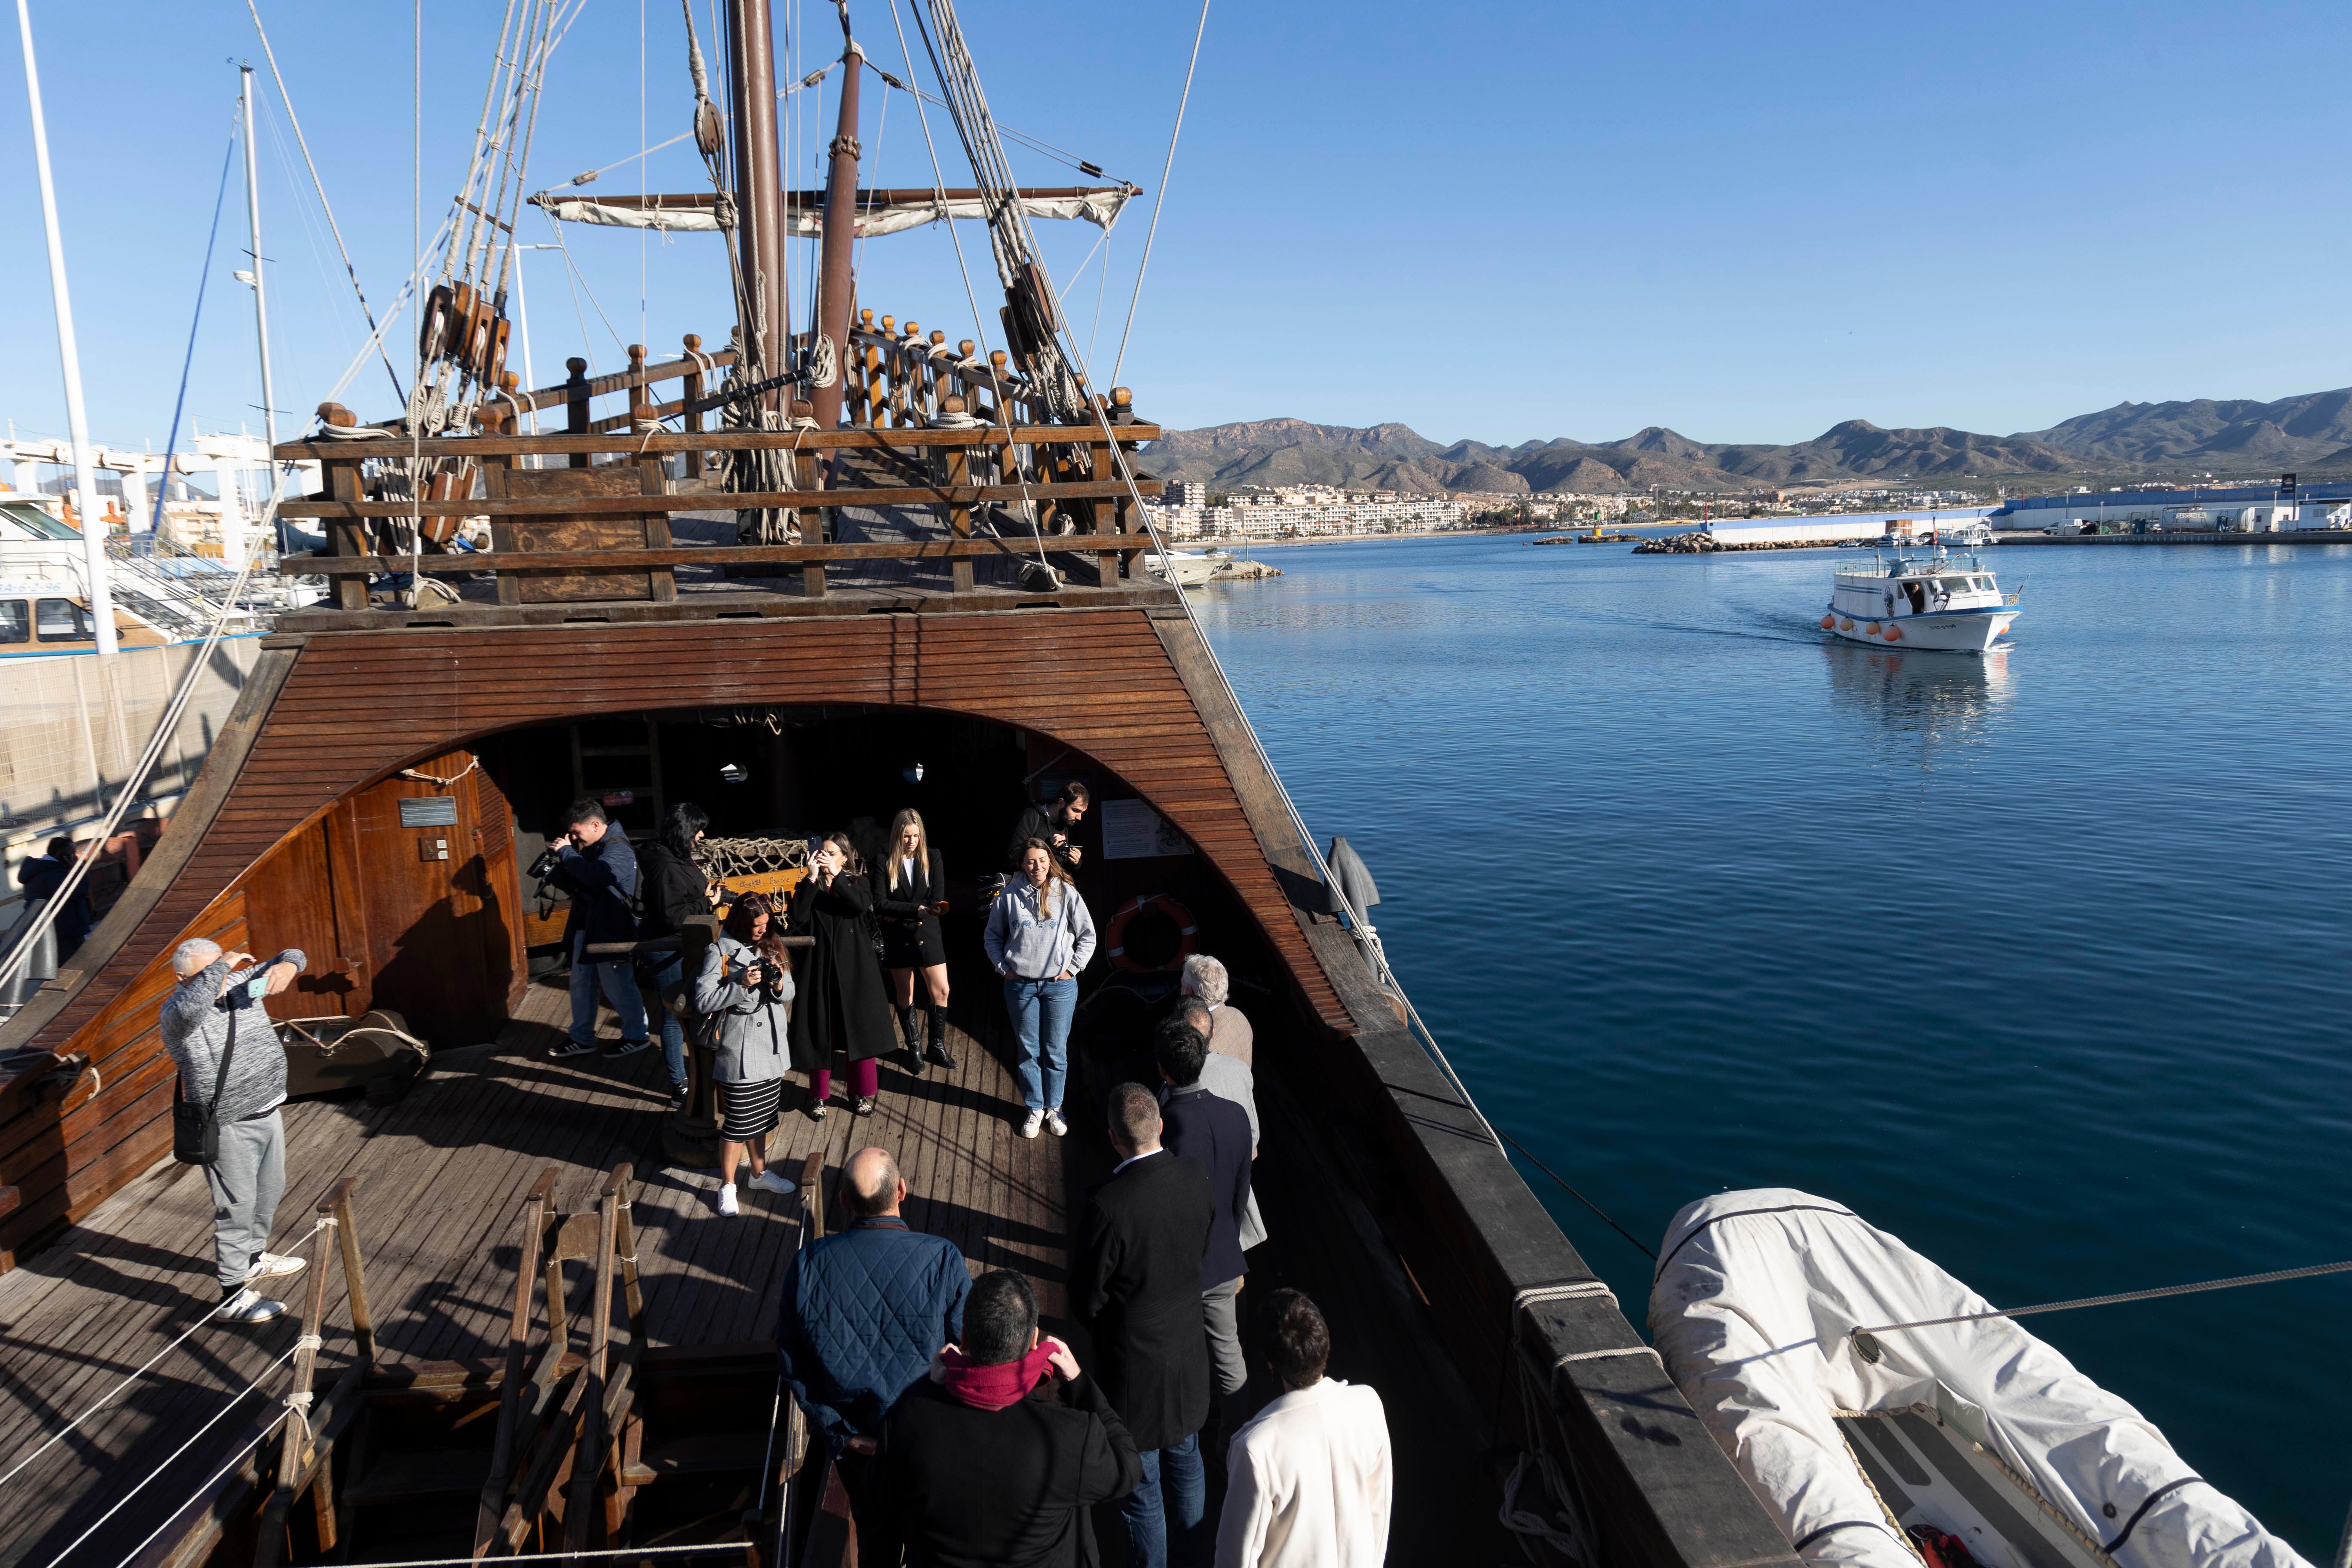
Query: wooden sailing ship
pixel 857 549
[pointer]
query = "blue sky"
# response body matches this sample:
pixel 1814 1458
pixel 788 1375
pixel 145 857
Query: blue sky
pixel 1503 222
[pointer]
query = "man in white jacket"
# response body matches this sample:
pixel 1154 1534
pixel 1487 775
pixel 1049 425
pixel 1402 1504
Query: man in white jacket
pixel 1308 1481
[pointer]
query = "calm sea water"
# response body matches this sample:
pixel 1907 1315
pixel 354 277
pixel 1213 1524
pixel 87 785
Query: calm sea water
pixel 2037 960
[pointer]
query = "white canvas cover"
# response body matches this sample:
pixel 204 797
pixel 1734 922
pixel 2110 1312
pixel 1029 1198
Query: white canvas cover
pixel 1099 207
pixel 1751 1307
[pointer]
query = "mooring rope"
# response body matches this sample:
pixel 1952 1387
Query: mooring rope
pixel 2272 1277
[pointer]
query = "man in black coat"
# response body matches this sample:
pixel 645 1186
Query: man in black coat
pixel 1137 1283
pixel 1215 1132
pixel 981 1463
pixel 1057 828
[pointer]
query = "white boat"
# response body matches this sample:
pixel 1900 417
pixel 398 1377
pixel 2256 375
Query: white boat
pixel 1941 601
pixel 1184 568
pixel 1881 1448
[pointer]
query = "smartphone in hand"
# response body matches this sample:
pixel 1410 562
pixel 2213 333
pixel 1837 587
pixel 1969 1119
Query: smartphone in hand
pixel 258 986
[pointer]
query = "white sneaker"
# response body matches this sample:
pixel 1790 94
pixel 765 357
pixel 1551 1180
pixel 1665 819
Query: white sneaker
pixel 270 1265
pixel 768 1181
pixel 1056 1125
pixel 727 1204
pixel 1031 1122
pixel 250 1306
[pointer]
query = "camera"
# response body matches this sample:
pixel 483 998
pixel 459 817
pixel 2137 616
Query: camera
pixel 545 866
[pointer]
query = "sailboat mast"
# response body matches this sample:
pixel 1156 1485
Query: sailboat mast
pixel 836 284
pixel 93 526
pixel 261 300
pixel 759 188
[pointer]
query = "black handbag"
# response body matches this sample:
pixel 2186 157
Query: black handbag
pixel 195 1129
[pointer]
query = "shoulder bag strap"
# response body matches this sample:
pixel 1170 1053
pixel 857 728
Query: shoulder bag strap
pixel 220 1079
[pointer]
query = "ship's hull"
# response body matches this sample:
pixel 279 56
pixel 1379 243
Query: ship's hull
pixel 1954 631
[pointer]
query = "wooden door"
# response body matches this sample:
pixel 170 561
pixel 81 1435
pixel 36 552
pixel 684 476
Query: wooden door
pixel 435 891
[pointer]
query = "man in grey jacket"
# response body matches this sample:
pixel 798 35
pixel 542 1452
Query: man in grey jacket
pixel 215 1009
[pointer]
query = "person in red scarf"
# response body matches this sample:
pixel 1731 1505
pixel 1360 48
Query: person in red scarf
pixel 996 1458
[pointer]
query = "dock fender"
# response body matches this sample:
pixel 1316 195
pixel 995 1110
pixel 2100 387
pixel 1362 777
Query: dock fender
pixel 1893 634
pixel 1114 935
pixel 1827 622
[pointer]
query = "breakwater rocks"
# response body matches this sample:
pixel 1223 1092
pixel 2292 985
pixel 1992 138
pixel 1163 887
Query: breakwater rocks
pixel 1234 570
pixel 1703 543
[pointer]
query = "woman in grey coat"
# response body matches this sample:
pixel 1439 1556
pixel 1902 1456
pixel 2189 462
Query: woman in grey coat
pixel 745 990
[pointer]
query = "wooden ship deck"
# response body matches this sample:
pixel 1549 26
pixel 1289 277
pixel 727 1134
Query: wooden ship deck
pixel 936 555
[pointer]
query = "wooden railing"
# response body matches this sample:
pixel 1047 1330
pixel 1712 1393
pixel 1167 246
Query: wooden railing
pixel 600 530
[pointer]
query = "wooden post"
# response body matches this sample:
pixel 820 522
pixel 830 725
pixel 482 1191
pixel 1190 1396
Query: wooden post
pixel 338 1203
pixel 812 518
pixel 588 1463
pixel 967 386
pixel 959 513
pixel 934 381
pixel 575 402
pixel 343 538
pixel 298 1449
pixel 693 394
pixel 1106 566
pixel 1005 412
pixel 510 1389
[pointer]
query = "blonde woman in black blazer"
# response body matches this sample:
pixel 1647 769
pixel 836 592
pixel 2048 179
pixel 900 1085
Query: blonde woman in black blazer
pixel 910 893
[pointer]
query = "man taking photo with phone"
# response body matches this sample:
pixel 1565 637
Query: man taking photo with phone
pixel 230 1062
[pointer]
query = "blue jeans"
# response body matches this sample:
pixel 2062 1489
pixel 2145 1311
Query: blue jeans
pixel 666 974
pixel 1041 1012
pixel 1173 1532
pixel 620 981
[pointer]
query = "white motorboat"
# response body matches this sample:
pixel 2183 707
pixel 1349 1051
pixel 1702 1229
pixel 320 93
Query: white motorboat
pixel 1184 568
pixel 1887 1416
pixel 1939 601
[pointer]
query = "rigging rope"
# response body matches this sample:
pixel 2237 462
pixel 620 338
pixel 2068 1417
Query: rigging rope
pixel 978 322
pixel 236 1400
pixel 1161 197
pixel 1571 1192
pixel 108 1397
pixel 12 963
pixel 2272 1277
pixel 320 185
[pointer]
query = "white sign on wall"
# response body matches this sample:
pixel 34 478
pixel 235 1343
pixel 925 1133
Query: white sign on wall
pixel 1133 831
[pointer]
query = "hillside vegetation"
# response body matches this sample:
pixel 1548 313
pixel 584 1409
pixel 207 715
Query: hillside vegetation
pixel 2311 434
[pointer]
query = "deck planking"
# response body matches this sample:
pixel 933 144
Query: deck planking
pixel 442 1177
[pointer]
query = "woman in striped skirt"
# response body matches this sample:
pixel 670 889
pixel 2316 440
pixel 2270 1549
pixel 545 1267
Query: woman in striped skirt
pixel 746 986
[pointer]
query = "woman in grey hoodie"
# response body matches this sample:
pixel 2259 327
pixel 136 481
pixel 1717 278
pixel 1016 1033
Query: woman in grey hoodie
pixel 746 988
pixel 1039 936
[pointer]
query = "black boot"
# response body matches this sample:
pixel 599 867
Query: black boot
pixel 937 1049
pixel 914 1040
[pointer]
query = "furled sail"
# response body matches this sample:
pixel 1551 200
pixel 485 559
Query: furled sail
pixel 887 212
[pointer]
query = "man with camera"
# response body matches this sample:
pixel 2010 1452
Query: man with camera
pixel 594 864
pixel 233 1067
pixel 1057 828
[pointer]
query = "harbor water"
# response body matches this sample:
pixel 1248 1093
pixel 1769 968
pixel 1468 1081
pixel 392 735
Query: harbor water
pixel 2036 960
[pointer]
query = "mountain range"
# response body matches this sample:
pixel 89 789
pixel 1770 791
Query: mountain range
pixel 2311 434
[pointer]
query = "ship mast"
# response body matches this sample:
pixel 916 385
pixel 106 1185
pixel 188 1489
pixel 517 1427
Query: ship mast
pixel 836 284
pixel 766 327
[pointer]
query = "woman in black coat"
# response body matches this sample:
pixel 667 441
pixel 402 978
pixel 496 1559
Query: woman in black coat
pixel 910 894
pixel 841 1006
pixel 674 892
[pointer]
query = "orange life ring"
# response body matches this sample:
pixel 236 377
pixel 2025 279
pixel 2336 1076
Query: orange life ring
pixel 1893 634
pixel 1116 935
